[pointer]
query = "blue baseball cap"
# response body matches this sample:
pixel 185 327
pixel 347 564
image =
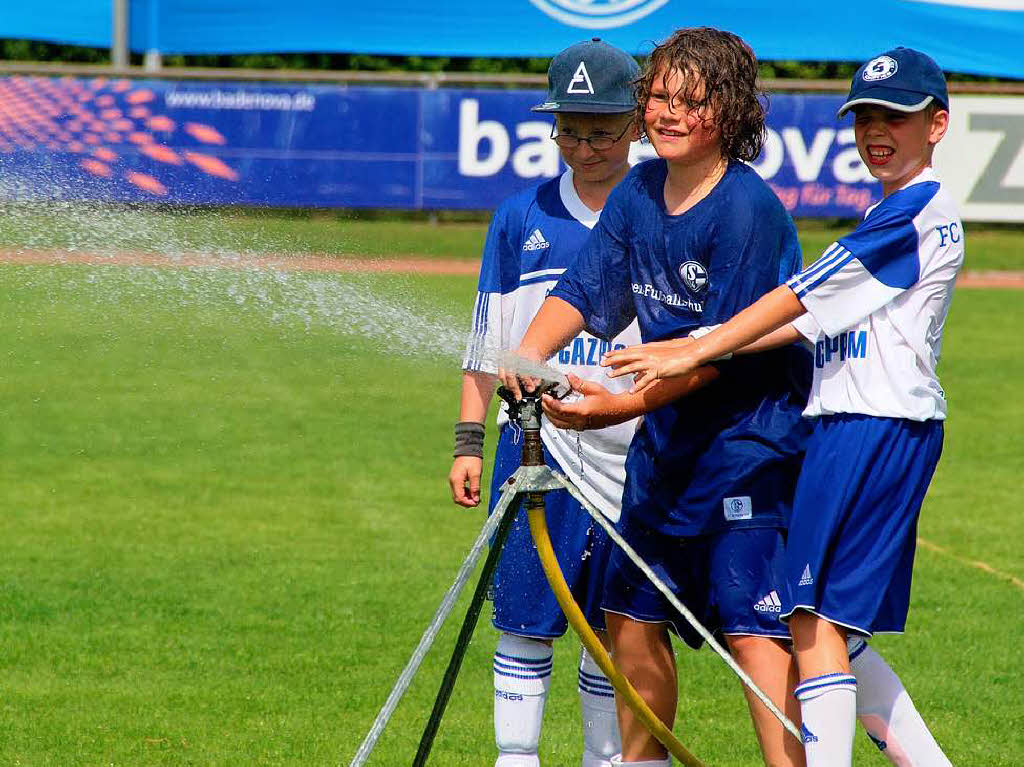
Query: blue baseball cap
pixel 592 77
pixel 902 79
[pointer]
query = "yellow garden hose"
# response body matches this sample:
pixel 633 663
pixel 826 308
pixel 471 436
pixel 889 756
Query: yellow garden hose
pixel 553 573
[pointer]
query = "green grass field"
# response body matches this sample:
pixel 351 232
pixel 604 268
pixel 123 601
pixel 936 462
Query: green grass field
pixel 226 521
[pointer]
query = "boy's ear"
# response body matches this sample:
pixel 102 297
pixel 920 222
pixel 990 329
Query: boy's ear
pixel 939 126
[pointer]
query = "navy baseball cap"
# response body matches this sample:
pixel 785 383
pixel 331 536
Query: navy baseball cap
pixel 592 77
pixel 902 79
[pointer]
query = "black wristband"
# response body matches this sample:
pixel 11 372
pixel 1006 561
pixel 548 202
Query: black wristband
pixel 469 439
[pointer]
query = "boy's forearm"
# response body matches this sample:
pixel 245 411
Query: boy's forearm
pixel 625 406
pixel 784 336
pixel 556 322
pixel 477 391
pixel 667 390
pixel 766 315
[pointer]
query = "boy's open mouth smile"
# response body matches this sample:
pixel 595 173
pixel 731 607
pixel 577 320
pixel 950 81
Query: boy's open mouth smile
pixel 879 155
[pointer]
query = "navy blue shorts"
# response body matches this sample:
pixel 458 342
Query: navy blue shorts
pixel 731 581
pixel 853 534
pixel 523 602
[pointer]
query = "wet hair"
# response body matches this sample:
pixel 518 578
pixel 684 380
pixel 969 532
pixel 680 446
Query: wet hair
pixel 726 68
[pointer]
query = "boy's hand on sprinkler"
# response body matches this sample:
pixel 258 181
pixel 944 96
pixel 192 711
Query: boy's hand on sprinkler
pixel 596 409
pixel 649 362
pixel 516 383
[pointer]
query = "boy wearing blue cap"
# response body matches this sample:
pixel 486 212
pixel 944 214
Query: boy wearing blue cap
pixel 874 307
pixel 534 236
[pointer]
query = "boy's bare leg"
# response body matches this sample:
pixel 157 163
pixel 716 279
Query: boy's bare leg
pixel 819 646
pixel 643 652
pixel 773 668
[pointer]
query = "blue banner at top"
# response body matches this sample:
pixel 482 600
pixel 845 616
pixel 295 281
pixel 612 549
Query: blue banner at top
pixel 971 36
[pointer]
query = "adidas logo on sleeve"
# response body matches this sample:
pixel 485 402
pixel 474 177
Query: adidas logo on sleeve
pixel 536 241
pixel 769 603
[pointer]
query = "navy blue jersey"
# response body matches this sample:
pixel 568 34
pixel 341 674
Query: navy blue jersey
pixel 728 454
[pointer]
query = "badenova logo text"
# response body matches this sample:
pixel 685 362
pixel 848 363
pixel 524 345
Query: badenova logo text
pixel 598 14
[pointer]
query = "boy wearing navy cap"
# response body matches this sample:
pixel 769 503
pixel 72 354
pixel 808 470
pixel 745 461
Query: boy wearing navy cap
pixel 874 307
pixel 534 236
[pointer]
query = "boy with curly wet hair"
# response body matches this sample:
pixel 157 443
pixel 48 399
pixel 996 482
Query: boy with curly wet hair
pixel 684 242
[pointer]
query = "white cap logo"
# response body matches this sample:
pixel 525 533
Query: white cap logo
pixel 881 68
pixel 580 82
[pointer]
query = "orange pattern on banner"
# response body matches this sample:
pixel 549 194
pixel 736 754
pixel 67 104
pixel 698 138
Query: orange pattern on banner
pixel 160 122
pixel 204 133
pixel 161 154
pixel 96 168
pixel 211 165
pixel 145 181
pixel 111 120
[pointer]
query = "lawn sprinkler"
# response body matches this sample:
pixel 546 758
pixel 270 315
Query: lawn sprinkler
pixel 533 479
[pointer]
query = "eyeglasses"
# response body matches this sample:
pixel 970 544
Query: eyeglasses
pixel 597 143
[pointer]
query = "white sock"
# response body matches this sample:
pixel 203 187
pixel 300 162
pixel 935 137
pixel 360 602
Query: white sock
pixel 666 762
pixel 597 706
pixel 888 714
pixel 522 673
pixel 828 707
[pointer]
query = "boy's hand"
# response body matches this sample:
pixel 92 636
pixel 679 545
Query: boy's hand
pixel 516 383
pixel 464 480
pixel 598 407
pixel 649 362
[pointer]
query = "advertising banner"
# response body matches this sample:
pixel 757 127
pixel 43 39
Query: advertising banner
pixel 333 146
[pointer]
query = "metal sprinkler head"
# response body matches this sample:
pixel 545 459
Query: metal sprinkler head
pixel 526 413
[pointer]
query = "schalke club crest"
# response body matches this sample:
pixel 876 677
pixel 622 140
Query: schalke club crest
pixel 694 276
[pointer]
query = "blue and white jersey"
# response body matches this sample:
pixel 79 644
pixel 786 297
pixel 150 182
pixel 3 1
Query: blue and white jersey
pixel 534 236
pixel 877 302
pixel 727 455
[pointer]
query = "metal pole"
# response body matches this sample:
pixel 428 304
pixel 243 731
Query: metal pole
pixel 119 34
pixel 405 678
pixel 152 61
pixel 465 635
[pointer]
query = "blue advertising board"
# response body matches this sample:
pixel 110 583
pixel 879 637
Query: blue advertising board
pixel 334 146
